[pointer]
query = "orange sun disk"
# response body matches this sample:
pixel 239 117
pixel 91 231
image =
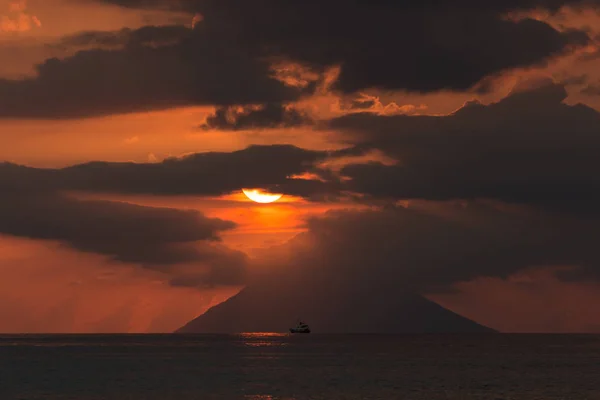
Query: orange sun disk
pixel 259 196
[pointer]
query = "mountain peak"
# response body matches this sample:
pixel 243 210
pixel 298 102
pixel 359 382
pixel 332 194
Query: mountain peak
pixel 273 305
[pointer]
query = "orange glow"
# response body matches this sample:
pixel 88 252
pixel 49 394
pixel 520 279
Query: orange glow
pixel 336 164
pixel 260 226
pixel 18 19
pixel 533 300
pixel 50 288
pixel 259 196
pixel 140 137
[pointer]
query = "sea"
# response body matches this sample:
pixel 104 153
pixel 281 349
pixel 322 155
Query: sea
pixel 293 367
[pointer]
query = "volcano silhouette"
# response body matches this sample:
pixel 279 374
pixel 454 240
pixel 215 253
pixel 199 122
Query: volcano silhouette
pixel 274 304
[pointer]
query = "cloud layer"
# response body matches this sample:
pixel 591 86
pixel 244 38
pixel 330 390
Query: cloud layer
pixel 183 244
pixel 391 44
pixel 157 238
pixel 491 189
pixel 277 168
pixel 212 173
pixel 430 246
pixel 227 59
pixel 271 115
pixel 151 68
pixel 529 148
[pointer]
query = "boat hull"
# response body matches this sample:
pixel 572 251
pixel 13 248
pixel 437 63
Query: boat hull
pixel 292 330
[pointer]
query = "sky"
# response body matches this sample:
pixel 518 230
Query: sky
pixel 448 146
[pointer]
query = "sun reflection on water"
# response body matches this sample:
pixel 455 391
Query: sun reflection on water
pixel 263 339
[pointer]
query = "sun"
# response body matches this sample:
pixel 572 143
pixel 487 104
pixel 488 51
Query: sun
pixel 261 197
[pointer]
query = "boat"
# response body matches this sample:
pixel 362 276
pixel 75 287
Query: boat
pixel 301 327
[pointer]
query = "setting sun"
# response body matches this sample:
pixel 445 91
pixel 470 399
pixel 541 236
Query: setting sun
pixel 261 197
pixel 205 183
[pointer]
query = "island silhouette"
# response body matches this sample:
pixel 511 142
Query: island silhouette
pixel 274 304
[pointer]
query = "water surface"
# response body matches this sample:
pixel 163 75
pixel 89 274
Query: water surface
pixel 272 366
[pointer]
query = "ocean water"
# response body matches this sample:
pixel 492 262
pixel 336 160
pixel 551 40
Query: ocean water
pixel 272 366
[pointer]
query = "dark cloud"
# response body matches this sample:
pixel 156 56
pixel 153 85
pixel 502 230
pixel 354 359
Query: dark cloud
pixel 529 148
pixel 234 5
pixel 144 72
pixel 21 179
pixel 182 244
pixel 362 104
pixel 222 266
pixel 145 36
pixel 415 45
pixel 227 58
pixel 272 115
pixel 574 80
pixel 593 89
pixel 157 238
pixel 594 54
pixel 213 173
pixel 270 167
pixel 431 246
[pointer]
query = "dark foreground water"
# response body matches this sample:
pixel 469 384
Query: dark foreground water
pixel 255 366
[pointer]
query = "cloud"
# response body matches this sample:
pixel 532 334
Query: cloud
pixel 227 58
pixel 431 246
pixel 18 19
pixel 272 167
pixel 419 46
pixel 568 80
pixel 592 89
pixel 152 36
pixel 373 104
pixel 362 104
pixel 154 237
pixel 496 7
pixel 529 148
pixel 138 70
pixel 272 115
pixel 184 245
pixel 212 173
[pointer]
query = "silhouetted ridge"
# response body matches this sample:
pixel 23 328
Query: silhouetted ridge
pixel 273 305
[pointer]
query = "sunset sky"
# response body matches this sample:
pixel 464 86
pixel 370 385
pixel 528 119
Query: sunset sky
pixel 452 147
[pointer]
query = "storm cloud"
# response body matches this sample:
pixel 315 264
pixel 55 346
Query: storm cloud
pixel 213 173
pixel 529 148
pixel 272 115
pixel 227 58
pixel 149 68
pixel 278 168
pixel 593 89
pixel 157 238
pixel 414 45
pixel 185 245
pixel 430 246
pixel 497 7
pixel 145 36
